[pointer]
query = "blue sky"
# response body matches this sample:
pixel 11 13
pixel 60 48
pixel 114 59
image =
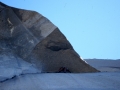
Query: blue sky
pixel 91 26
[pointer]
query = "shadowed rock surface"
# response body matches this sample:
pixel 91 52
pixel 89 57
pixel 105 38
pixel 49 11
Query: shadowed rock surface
pixel 29 36
pixel 55 52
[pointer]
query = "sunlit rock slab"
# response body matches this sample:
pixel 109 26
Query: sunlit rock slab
pixel 11 66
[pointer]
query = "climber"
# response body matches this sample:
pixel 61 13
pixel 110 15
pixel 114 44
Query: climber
pixel 64 70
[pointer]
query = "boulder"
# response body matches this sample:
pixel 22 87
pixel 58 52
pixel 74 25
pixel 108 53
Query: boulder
pixel 33 38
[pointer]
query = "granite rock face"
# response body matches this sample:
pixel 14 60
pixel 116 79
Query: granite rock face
pixel 30 37
pixel 23 29
pixel 55 51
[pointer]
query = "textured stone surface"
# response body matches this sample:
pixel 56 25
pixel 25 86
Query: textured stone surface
pixel 54 53
pixel 24 29
pixel 61 81
pixel 11 66
pixel 33 38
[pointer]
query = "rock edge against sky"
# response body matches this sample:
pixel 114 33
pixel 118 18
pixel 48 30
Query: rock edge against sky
pixel 28 37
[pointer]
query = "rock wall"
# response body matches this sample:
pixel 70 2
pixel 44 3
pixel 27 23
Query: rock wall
pixel 34 39
pixel 55 51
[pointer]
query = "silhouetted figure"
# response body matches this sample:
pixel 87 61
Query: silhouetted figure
pixel 64 70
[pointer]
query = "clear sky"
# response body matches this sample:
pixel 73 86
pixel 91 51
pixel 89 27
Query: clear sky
pixel 91 26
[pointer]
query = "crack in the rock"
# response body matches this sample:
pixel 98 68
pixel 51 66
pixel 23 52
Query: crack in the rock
pixel 8 79
pixel 15 76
